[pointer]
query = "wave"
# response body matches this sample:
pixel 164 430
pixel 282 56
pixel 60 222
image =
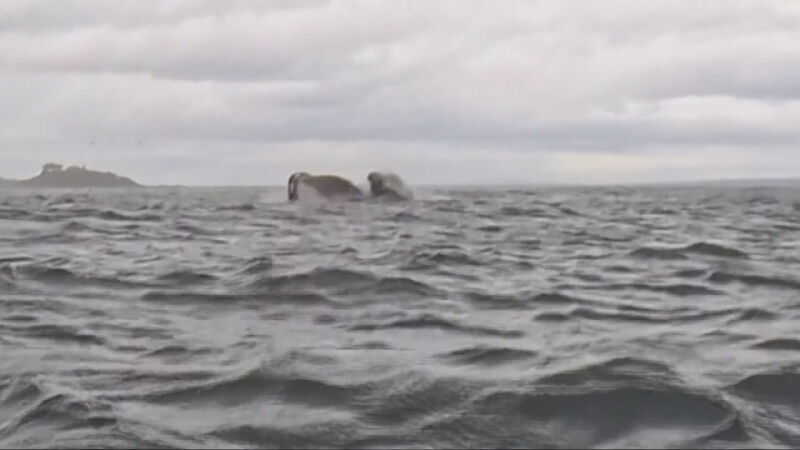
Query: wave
pixel 193 230
pixel 710 249
pixel 246 207
pixel 497 301
pixel 427 260
pixel 257 265
pixel 691 273
pixel 331 434
pixel 667 254
pixel 44 238
pixel 224 298
pixel 680 253
pixel 194 297
pixel 22 318
pixel 678 290
pixel 112 215
pixel 753 314
pixel 571 410
pixel 405 217
pixel 491 228
pixel 552 317
pixel 618 269
pixel 780 388
pixel 513 211
pixel 633 316
pixel 431 321
pixel 582 418
pixel 788 344
pixel 14 214
pixel 173 350
pixel 14 394
pixel 5 260
pixel 567 211
pixel 27 408
pixel 58 275
pixel 615 370
pixel 320 277
pixel 74 226
pixel 594 314
pixel 7 280
pixel 347 282
pixel 723 277
pixel 529 244
pixel 412 398
pixel 485 355
pixel 556 298
pixel 486 300
pixel 53 332
pixel 62 214
pixel 255 386
pixel 186 277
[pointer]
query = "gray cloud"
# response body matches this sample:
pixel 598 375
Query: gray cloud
pixel 499 91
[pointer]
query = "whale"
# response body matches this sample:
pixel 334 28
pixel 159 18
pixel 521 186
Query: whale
pixel 303 185
pixel 388 185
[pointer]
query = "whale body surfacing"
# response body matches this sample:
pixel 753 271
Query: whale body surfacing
pixel 328 187
pixel 388 185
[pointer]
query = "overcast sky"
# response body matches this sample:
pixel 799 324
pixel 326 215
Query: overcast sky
pixel 248 91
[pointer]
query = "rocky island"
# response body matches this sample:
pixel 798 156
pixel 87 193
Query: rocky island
pixel 57 176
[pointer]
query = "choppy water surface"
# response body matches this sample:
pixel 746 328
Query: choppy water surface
pixel 194 318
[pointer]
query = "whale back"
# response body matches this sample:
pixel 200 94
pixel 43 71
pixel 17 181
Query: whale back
pixel 302 184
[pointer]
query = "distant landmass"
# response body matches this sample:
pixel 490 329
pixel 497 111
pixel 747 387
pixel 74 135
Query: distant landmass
pixel 57 176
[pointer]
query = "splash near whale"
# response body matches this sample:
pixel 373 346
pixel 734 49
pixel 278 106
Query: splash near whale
pixel 388 185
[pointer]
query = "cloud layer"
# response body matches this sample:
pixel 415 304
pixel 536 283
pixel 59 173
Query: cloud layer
pixel 248 91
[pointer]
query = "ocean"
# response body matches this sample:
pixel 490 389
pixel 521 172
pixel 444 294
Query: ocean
pixel 471 318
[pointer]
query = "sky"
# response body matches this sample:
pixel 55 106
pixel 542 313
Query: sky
pixel 246 92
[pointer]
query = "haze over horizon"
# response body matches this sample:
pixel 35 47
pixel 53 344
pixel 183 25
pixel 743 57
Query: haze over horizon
pixel 246 92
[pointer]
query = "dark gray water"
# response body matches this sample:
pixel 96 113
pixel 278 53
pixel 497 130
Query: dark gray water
pixel 197 318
